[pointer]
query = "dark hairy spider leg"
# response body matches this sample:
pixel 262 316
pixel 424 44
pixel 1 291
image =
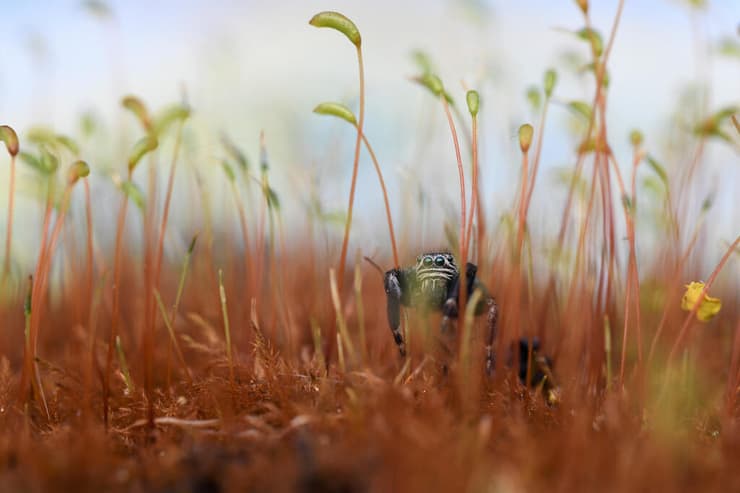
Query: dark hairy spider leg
pixel 450 309
pixel 393 292
pixel 492 319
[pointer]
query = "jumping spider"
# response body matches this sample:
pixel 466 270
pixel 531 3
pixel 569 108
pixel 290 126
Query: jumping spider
pixel 433 283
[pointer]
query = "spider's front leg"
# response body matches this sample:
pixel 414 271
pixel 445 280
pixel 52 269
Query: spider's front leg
pixel 492 319
pixel 449 308
pixel 394 294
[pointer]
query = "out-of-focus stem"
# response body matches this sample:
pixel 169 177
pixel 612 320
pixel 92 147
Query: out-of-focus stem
pixel 385 201
pixel 463 215
pixel 9 229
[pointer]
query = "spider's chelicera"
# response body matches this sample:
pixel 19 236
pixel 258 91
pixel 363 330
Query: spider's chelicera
pixel 433 283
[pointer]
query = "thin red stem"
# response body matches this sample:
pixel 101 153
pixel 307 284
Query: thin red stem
pixel 389 218
pixel 152 314
pixel 355 167
pixel 475 205
pixel 462 241
pixel 674 288
pixel 695 308
pixel 733 376
pixel 9 231
pixel 537 153
pixel 600 72
pixel 116 305
pixel 30 353
pixel 348 223
pixel 89 225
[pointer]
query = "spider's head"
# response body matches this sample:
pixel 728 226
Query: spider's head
pixel 434 273
pixel 435 266
pixel 435 262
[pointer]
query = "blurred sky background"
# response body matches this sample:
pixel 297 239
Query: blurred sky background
pixel 252 65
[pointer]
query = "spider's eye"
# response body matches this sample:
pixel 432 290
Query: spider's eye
pixel 439 261
pixel 427 261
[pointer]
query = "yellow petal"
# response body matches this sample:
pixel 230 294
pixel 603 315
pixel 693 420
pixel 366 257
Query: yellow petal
pixel 708 307
pixel 693 290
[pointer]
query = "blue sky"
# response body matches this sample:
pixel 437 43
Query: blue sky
pixel 249 65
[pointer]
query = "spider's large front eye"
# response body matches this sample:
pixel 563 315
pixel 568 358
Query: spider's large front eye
pixel 427 261
pixel 439 261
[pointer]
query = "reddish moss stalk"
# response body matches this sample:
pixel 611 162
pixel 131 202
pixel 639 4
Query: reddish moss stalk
pixel 462 241
pixel 536 163
pixel 355 166
pixel 632 281
pixel 600 72
pixel 475 202
pixel 633 274
pixel 388 216
pixel 154 281
pixel 260 249
pixel 39 285
pixel 675 285
pixel 733 378
pixel 89 245
pixel 29 355
pixel 348 224
pixel 116 306
pixel 9 230
pixel 521 221
pixel 687 323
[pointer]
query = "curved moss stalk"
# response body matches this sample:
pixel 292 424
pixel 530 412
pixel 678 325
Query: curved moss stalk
pixel 43 266
pixel 704 291
pixel 29 353
pixel 36 385
pixel 341 111
pixel 675 285
pixel 632 271
pixel 733 374
pixel 153 287
pixel 341 23
pixel 525 141
pixel 227 328
pixel 463 212
pixel 140 149
pixel 550 79
pixel 355 166
pixel 9 228
pixel 10 138
pixel 388 215
pixel 434 85
pixel 92 363
pixel 120 225
pixel 47 164
pixel 565 219
pixel 176 304
pixel 261 246
pixel 475 202
pixel 173 337
pixel 632 289
pixel 88 243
